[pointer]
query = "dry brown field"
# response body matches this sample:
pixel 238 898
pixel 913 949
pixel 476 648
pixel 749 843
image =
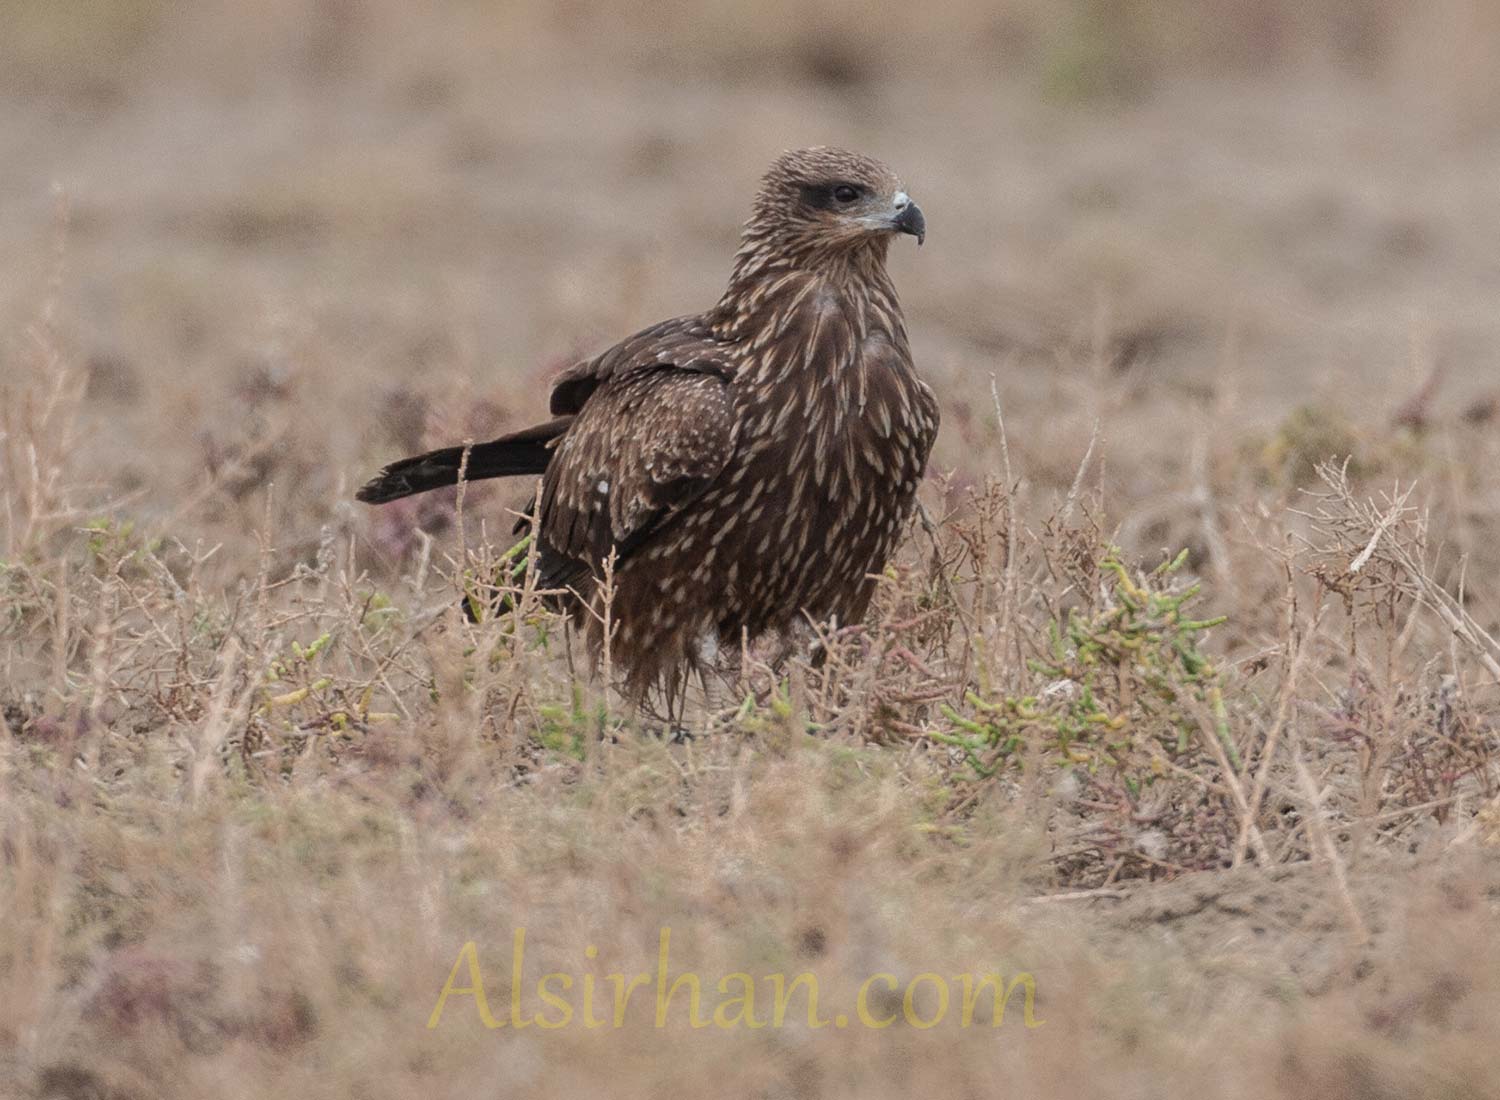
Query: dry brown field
pixel 1182 716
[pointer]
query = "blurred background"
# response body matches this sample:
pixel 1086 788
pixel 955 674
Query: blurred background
pixel 300 237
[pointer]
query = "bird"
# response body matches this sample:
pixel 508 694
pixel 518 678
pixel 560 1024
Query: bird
pixel 739 472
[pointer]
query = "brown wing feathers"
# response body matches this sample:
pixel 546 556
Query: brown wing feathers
pixel 643 446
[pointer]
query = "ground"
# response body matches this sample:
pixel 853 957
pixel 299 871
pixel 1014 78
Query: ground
pixel 1184 705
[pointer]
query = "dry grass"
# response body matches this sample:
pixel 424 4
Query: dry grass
pixel 1185 702
pixel 247 829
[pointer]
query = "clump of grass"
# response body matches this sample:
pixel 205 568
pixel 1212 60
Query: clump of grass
pixel 1309 436
pixel 1114 689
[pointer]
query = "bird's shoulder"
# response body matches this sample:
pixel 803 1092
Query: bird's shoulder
pixel 929 414
pixel 682 344
pixel 892 376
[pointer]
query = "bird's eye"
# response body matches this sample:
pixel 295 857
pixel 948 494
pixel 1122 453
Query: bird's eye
pixel 846 193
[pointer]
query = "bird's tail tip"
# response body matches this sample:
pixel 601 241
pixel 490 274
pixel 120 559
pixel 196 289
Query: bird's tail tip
pixel 377 490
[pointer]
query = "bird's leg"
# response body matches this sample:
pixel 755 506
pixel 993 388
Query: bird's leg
pixel 677 731
pixel 705 663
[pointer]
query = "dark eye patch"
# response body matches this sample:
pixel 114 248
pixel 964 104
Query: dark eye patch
pixel 830 196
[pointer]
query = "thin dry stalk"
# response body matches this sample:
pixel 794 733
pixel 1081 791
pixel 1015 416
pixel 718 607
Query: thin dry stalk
pixel 1296 664
pixel 1323 841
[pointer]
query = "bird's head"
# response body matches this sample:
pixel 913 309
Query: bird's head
pixel 824 201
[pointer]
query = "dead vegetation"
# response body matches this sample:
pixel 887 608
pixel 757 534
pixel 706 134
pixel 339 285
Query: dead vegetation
pixel 247 826
pixel 1183 696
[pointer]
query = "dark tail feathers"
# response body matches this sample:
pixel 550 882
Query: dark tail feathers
pixel 523 452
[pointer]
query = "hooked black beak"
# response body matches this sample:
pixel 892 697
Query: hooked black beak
pixel 910 220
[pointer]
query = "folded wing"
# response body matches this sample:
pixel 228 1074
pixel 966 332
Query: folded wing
pixel 646 442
